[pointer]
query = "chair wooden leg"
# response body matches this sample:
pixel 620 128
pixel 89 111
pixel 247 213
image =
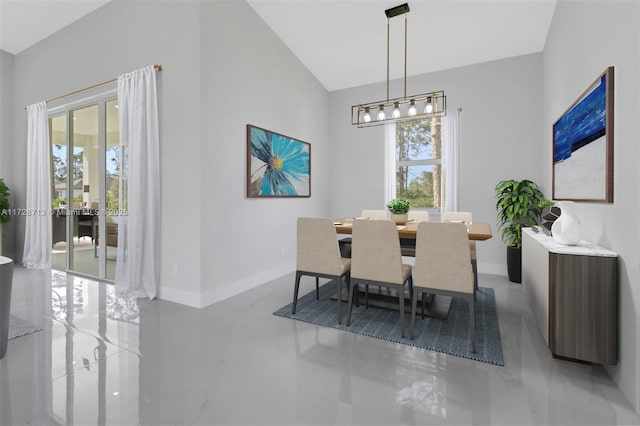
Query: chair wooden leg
pixel 339 297
pixel 474 267
pixel 424 303
pixel 317 288
pixel 401 305
pixel 295 293
pixel 351 289
pixel 348 275
pixel 472 323
pixel 357 294
pixel 366 296
pixel 414 304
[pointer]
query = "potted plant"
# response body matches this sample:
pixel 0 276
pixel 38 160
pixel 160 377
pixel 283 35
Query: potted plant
pixel 518 206
pixel 399 207
pixel 5 215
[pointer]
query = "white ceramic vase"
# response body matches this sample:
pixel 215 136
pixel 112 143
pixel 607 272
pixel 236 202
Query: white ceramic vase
pixel 400 219
pixel 566 229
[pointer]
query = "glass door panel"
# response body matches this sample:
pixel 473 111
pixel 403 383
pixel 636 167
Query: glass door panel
pixel 84 173
pixel 59 143
pixel 85 163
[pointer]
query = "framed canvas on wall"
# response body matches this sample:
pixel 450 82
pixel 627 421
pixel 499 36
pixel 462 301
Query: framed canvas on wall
pixel 583 146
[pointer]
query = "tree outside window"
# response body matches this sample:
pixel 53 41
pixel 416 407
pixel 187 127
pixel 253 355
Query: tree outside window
pixel 419 162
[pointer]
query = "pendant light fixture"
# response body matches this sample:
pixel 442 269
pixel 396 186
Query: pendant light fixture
pixel 426 105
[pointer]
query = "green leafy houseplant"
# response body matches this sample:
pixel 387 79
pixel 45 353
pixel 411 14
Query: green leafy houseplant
pixel 546 203
pixel 4 203
pixel 518 206
pixel 399 206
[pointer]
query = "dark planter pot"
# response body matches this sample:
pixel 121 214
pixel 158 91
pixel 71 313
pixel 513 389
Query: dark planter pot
pixel 514 264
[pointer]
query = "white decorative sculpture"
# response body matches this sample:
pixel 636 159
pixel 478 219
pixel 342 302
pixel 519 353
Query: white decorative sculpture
pixel 566 229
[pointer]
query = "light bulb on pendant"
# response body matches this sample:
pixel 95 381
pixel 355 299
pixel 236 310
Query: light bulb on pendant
pixel 381 115
pixel 367 116
pixel 396 110
pixel 412 108
pixel 429 107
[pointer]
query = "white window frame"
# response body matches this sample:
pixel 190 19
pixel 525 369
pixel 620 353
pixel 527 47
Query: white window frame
pixel 391 164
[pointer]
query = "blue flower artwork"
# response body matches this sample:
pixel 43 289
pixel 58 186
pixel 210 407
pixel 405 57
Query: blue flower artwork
pixel 277 165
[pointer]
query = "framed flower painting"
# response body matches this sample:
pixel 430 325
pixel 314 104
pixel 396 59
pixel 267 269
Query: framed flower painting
pixel 277 165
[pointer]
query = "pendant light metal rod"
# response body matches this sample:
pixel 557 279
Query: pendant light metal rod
pixel 405 57
pixel 403 108
pixel 388 26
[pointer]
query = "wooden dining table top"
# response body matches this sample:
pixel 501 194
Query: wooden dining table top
pixel 478 231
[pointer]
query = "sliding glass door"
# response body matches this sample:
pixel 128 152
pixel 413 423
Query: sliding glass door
pixel 84 164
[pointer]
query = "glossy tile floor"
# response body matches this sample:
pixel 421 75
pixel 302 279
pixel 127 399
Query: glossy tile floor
pixel 102 359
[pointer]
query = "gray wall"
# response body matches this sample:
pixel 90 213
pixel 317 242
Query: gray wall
pixel 7 142
pixel 250 77
pixel 604 33
pixel 500 138
pixel 223 68
pixel 90 51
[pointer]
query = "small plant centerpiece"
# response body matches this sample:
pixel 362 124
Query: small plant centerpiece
pixel 5 215
pixel 518 205
pixel 399 207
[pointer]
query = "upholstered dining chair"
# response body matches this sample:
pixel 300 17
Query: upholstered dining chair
pixel 408 245
pixel 421 215
pixel 376 260
pixel 443 267
pixel 345 243
pixel 375 214
pixel 465 217
pixel 318 256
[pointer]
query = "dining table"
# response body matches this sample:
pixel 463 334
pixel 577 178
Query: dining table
pixel 437 307
pixel 477 231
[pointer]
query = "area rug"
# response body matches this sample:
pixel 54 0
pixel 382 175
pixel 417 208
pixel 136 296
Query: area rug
pixel 450 336
pixel 19 327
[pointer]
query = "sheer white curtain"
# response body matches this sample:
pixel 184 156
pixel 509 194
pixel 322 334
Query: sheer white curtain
pixel 138 265
pixel 450 160
pixel 37 244
pixel 389 162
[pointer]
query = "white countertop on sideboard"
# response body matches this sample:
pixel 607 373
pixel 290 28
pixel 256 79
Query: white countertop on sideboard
pixel 583 248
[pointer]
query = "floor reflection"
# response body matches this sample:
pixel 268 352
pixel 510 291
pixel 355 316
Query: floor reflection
pixel 96 331
pixel 104 358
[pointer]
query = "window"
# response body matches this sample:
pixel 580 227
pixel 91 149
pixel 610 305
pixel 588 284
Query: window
pixel 418 163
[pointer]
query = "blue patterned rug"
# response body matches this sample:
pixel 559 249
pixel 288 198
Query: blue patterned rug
pixel 450 336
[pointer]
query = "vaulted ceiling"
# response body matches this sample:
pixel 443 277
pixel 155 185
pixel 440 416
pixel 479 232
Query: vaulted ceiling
pixel 344 43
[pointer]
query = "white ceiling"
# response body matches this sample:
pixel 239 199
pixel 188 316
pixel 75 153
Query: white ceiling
pixel 343 43
pixel 25 22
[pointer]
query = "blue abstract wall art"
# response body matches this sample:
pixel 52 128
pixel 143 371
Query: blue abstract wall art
pixel 583 145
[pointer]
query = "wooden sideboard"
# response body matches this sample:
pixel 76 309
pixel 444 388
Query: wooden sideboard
pixel 573 294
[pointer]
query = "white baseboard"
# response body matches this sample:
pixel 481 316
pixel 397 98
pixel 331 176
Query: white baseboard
pixel 202 300
pixel 492 268
pixel 182 297
pixel 247 283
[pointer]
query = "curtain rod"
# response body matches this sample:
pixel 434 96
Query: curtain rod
pixel 158 67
